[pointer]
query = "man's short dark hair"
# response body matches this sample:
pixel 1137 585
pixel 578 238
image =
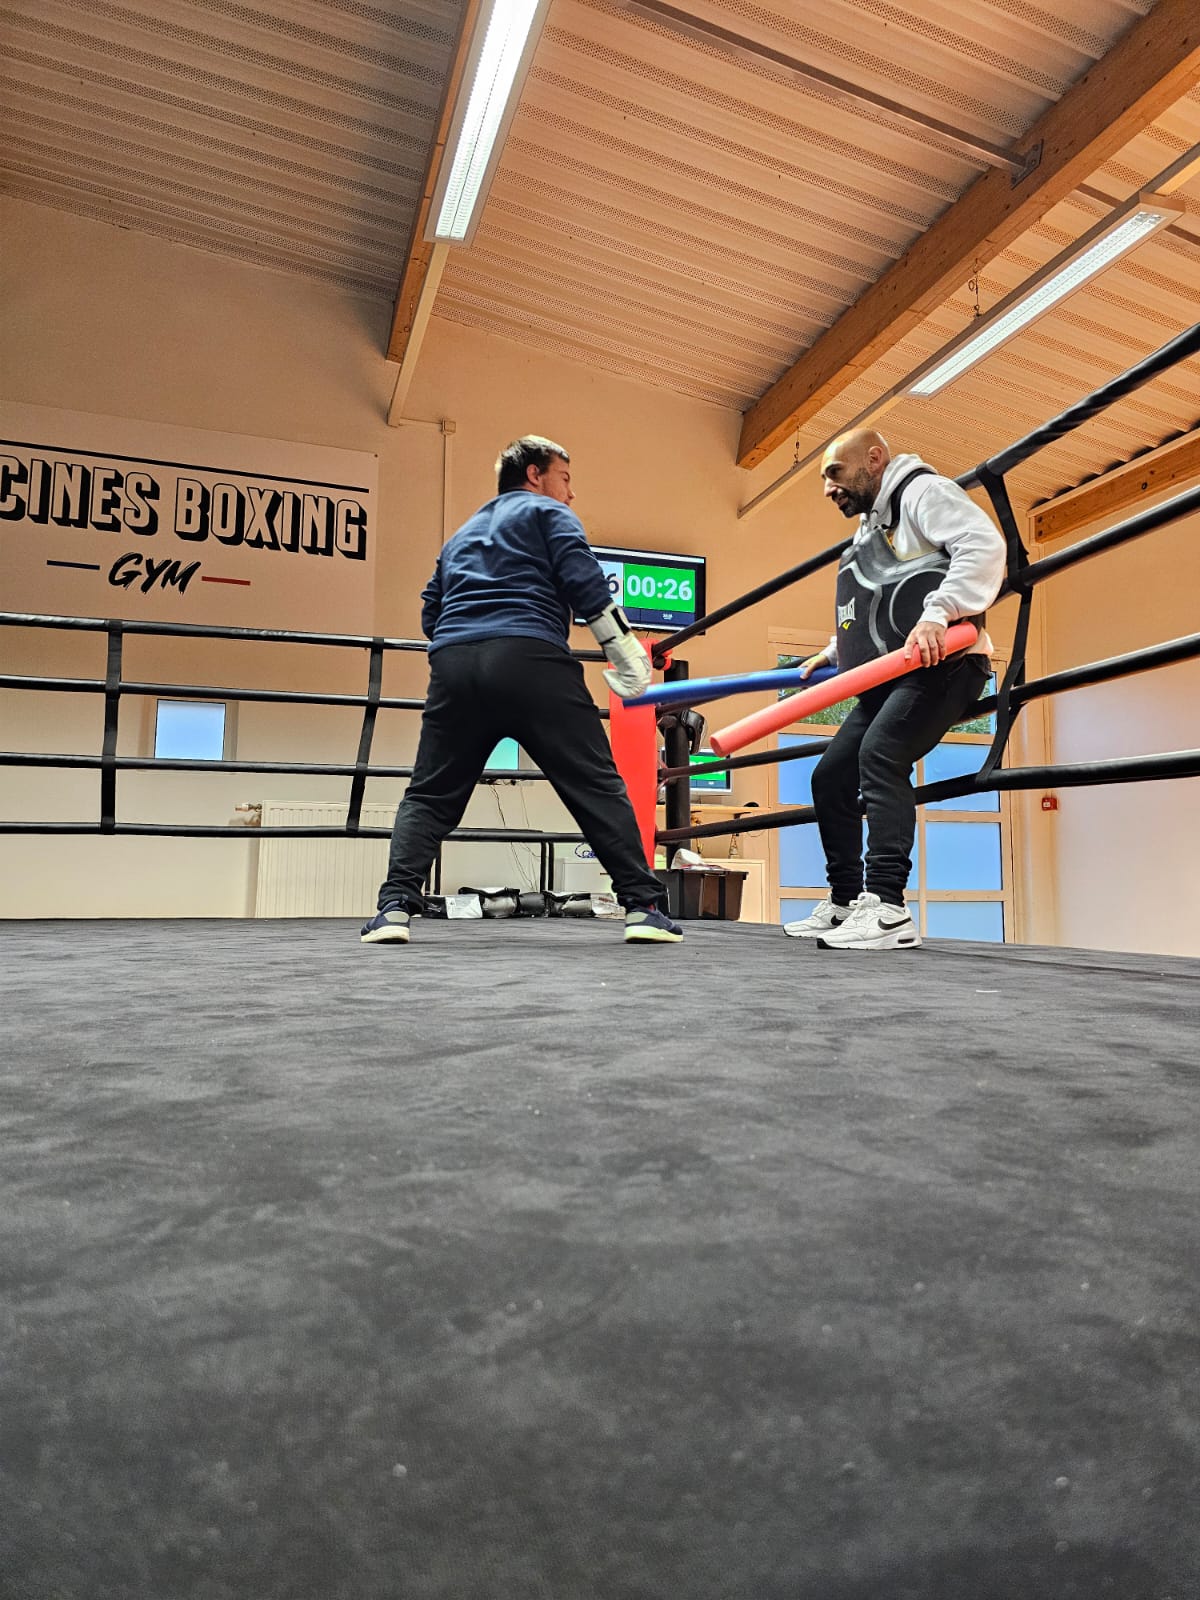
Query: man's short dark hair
pixel 531 451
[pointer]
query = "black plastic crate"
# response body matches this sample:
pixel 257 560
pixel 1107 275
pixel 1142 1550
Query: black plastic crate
pixel 695 896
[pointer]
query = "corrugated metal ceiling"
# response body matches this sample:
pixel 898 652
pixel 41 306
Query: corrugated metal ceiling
pixel 1133 308
pixel 661 211
pixel 290 133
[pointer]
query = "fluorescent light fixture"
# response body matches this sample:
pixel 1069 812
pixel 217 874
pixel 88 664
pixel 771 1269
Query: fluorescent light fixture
pixel 505 37
pixel 1096 250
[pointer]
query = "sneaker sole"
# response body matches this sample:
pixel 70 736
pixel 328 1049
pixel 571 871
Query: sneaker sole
pixel 885 941
pixel 809 933
pixel 385 936
pixel 652 936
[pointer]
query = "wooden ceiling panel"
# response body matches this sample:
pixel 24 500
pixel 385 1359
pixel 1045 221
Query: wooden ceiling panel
pixel 690 220
pixel 289 135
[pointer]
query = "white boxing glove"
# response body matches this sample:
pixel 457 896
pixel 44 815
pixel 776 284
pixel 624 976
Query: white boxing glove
pixel 631 672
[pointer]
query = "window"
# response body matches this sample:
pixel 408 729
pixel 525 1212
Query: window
pixel 960 886
pixel 832 716
pixel 506 757
pixel 189 730
pixel 510 757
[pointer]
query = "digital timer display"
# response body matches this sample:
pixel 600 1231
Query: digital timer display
pixel 654 591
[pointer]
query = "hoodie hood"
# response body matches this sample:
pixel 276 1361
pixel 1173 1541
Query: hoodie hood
pixel 897 468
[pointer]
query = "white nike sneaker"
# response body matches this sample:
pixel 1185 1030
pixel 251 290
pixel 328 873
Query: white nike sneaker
pixel 872 925
pixel 820 920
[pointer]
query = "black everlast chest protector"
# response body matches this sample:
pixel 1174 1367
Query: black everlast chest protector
pixel 879 597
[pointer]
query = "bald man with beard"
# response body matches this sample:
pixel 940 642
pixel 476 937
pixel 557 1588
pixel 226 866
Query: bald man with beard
pixel 923 556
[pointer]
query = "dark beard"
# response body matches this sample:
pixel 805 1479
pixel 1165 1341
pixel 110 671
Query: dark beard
pixel 855 504
pixel 857 507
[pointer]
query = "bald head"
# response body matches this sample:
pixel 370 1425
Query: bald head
pixel 852 469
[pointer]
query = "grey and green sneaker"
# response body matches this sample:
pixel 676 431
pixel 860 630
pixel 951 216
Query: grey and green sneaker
pixel 389 926
pixel 650 926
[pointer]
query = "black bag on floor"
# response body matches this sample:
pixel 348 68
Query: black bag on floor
pixel 570 905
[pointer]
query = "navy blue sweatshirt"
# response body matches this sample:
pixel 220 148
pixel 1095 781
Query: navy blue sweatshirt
pixel 520 567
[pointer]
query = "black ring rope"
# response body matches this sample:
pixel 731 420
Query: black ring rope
pixel 1159 361
pixel 188 830
pixel 826 558
pixel 205 630
pixel 1016 563
pixel 1021 577
pixel 1155 655
pixel 1131 769
pixel 185 691
pixel 1135 527
pixel 108 748
pixel 358 783
pixel 761 758
pixel 299 769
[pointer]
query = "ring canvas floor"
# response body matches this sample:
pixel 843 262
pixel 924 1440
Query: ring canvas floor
pixel 516 1264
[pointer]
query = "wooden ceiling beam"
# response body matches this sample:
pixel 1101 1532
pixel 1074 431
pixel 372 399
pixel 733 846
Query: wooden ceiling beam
pixel 1171 464
pixel 1149 68
pixel 407 315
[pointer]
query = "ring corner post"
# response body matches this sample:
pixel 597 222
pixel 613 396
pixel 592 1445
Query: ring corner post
pixel 677 744
pixel 634 734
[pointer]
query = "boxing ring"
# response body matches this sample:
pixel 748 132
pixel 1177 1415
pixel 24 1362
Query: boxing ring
pixel 108 763
pixel 521 1266
pixel 635 730
pixel 1021 580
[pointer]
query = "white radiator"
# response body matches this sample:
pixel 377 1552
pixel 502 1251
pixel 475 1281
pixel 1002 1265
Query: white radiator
pixel 320 877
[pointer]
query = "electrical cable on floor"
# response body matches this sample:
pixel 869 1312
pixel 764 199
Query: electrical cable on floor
pixel 531 863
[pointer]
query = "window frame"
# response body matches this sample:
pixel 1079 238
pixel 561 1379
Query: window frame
pixel 803 642
pixel 229 733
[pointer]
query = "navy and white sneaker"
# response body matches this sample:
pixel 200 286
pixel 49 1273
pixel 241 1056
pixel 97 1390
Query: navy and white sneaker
pixel 389 926
pixel 650 926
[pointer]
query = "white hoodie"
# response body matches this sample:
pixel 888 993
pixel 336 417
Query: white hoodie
pixel 935 514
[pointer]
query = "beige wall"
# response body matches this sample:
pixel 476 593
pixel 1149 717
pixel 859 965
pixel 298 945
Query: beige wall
pixel 1127 855
pixel 99 319
pixel 105 320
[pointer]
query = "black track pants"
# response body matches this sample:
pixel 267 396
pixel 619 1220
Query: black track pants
pixel 528 690
pixel 873 754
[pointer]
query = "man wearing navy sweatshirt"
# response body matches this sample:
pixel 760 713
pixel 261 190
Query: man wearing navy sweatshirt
pixel 497 614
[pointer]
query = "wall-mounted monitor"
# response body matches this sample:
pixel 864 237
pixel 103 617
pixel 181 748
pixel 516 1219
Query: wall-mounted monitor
pixel 654 589
pixel 711 786
pixel 510 760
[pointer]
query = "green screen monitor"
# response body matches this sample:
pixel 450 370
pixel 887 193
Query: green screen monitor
pixel 510 760
pixel 714 787
pixel 655 590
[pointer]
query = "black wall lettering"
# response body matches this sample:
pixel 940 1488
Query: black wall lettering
pixel 37 501
pixel 70 494
pixel 145 571
pixel 261 504
pixel 191 509
pixel 316 525
pixel 177 577
pixel 351 529
pixel 106 499
pixel 125 570
pixel 141 508
pixel 289 521
pixel 12 473
pixel 225 519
